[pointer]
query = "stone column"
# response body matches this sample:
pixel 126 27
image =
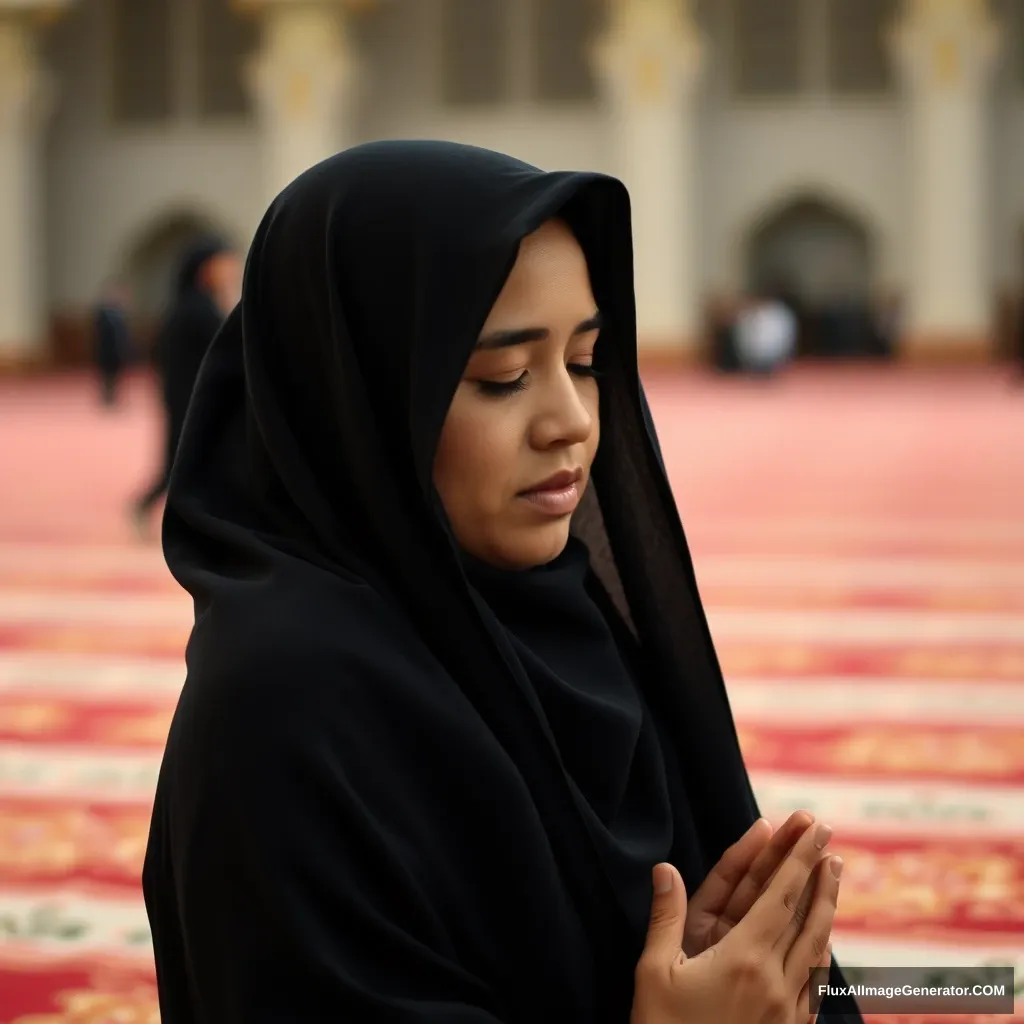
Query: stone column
pixel 27 93
pixel 945 52
pixel 303 79
pixel 648 61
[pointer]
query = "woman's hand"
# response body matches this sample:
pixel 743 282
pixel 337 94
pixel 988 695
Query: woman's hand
pixel 738 879
pixel 759 972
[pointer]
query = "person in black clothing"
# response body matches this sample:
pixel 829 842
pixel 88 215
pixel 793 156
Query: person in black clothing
pixel 452 703
pixel 111 341
pixel 206 289
pixel 1018 354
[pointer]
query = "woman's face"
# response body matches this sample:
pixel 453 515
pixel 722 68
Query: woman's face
pixel 515 452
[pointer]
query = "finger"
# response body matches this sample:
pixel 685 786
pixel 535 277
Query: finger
pixel 804 1002
pixel 774 909
pixel 775 872
pixel 731 870
pixel 796 926
pixel 811 944
pixel 765 865
pixel 668 915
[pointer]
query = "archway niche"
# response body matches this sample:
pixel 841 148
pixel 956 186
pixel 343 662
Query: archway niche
pixel 151 260
pixel 819 258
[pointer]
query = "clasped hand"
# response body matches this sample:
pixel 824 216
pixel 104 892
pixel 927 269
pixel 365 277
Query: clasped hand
pixel 741 950
pixel 737 880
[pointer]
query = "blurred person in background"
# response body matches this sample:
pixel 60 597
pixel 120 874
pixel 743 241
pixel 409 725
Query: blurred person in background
pixel 887 323
pixel 722 324
pixel 766 334
pixel 1018 350
pixel 112 345
pixel 207 288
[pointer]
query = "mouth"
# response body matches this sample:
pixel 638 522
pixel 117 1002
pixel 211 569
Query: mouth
pixel 561 481
pixel 558 495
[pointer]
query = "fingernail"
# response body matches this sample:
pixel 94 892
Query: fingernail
pixel 836 865
pixel 663 878
pixel 822 836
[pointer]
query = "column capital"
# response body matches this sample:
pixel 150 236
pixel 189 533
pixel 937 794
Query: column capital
pixel 945 45
pixel 305 79
pixel 650 50
pixel 306 64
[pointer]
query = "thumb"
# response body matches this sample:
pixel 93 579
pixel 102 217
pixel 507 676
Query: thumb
pixel 668 914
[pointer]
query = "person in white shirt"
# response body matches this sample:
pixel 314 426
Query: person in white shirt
pixel 766 333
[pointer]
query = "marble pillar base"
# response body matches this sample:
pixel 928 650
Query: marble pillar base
pixel 662 352
pixel 19 363
pixel 947 349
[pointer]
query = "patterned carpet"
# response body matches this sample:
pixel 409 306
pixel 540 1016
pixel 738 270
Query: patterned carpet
pixel 859 539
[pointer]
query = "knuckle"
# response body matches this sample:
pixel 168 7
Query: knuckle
pixel 809 853
pixel 661 917
pixel 748 968
pixel 819 945
pixel 791 899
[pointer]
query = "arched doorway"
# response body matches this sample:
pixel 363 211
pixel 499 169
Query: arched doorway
pixel 820 260
pixel 151 260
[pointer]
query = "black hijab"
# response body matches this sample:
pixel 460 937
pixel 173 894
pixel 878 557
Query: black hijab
pixel 364 812
pixel 196 254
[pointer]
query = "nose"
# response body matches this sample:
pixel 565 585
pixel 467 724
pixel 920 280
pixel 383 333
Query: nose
pixel 564 416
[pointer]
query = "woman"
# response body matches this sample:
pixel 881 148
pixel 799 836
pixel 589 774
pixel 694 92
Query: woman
pixel 205 292
pixel 433 741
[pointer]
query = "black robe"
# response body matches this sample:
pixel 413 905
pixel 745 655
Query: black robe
pixel 367 809
pixel 112 340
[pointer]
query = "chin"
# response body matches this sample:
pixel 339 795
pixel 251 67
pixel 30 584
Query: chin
pixel 536 546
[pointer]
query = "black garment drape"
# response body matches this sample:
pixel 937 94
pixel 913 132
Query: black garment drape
pixel 364 812
pixel 587 680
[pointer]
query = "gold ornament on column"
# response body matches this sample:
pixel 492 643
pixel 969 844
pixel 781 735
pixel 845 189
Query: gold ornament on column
pixel 647 47
pixel 50 14
pixel 650 77
pixel 298 94
pixel 947 61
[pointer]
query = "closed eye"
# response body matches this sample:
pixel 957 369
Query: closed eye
pixel 500 389
pixel 584 370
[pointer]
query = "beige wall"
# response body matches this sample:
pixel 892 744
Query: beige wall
pixel 108 185
pixel 756 159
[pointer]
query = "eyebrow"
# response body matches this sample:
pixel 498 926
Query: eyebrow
pixel 523 335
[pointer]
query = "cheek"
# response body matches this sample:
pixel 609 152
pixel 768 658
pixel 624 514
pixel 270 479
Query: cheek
pixel 475 463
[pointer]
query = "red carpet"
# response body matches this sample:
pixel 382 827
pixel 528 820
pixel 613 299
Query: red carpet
pixel 859 539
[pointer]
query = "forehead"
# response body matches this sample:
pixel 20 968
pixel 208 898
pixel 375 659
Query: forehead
pixel 550 266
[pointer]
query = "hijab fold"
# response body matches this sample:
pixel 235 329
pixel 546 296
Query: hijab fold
pixel 368 805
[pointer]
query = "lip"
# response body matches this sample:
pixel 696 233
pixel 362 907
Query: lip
pixel 558 495
pixel 557 482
